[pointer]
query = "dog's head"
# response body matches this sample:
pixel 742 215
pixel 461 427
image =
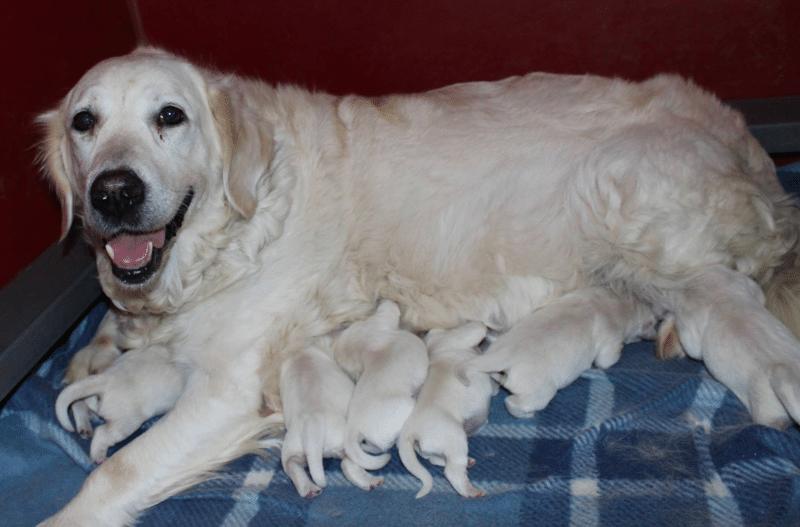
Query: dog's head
pixel 144 148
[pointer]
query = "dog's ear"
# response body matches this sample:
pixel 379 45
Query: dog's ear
pixel 246 142
pixel 54 159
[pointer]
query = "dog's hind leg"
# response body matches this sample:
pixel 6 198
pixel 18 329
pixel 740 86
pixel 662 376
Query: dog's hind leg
pixel 723 322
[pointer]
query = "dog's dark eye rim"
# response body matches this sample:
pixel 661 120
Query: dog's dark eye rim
pixel 83 121
pixel 170 115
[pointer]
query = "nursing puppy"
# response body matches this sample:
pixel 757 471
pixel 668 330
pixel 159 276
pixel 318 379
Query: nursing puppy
pixel 561 341
pixel 447 411
pixel 246 219
pixel 115 335
pixel 315 394
pixel 137 386
pixel 390 366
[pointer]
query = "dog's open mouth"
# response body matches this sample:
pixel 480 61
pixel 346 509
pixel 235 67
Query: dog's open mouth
pixel 135 257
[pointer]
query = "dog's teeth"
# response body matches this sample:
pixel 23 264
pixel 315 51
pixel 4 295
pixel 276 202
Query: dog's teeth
pixel 110 251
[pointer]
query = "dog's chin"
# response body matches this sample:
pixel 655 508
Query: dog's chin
pixel 143 253
pixel 140 275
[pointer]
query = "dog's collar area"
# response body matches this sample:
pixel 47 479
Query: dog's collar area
pixel 140 275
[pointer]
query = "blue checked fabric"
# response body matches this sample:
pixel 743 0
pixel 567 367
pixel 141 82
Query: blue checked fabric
pixel 644 443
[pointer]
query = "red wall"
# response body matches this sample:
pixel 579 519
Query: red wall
pixel 738 48
pixel 47 45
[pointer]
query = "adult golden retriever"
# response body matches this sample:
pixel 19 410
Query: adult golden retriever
pixel 234 221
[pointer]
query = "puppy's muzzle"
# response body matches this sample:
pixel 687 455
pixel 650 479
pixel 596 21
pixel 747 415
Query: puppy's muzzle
pixel 118 195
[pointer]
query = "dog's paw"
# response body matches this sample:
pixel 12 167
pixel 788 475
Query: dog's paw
pixel 774 398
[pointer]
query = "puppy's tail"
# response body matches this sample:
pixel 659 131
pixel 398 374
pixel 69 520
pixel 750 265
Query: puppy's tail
pixel 405 447
pixel 352 447
pixel 314 432
pixel 75 392
pixel 782 292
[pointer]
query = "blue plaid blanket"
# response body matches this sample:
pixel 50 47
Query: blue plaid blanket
pixel 642 443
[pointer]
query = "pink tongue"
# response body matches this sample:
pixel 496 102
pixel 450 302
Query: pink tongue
pixel 132 251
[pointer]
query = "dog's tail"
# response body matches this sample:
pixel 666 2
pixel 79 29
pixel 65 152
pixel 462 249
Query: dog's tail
pixel 352 447
pixel 405 447
pixel 314 431
pixel 75 392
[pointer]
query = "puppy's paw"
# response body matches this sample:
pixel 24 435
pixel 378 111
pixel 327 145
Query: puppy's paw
pixel 312 491
pixel 359 477
pixel 82 416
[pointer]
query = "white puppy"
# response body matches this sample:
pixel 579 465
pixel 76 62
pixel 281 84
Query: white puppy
pixel 139 385
pixel 447 410
pixel 315 394
pixel 390 365
pixel 556 343
pixel 115 335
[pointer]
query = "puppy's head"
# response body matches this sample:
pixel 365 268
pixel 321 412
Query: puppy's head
pixel 142 148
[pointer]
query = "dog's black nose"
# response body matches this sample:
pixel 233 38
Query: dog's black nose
pixel 117 194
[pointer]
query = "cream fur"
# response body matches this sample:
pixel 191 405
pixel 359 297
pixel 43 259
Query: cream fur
pixel 480 201
pixel 447 410
pixel 316 394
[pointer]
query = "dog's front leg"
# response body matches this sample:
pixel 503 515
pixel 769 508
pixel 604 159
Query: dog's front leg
pixel 722 321
pixel 213 421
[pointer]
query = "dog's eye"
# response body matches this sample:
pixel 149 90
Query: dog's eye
pixel 170 116
pixel 83 121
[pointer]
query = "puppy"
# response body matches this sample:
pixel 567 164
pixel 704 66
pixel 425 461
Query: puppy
pixel 556 343
pixel 115 335
pixel 137 386
pixel 315 394
pixel 390 366
pixel 447 410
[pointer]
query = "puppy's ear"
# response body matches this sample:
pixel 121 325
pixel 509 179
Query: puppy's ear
pixel 246 142
pixel 54 159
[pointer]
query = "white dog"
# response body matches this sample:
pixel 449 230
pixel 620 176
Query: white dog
pixel 247 219
pixel 139 385
pixel 447 411
pixel 559 342
pixel 390 366
pixel 315 394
